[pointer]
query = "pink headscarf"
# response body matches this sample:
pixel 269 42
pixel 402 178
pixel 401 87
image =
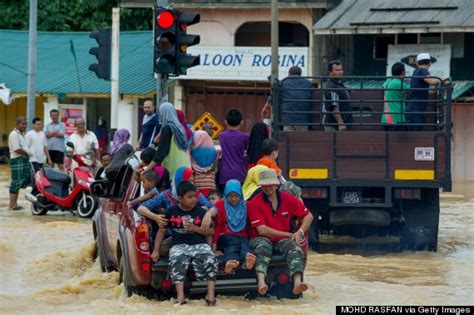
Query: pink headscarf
pixel 182 120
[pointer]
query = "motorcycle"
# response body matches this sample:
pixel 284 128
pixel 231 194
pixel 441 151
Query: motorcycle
pixel 51 189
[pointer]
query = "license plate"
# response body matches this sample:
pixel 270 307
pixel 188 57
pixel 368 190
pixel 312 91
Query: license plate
pixel 351 197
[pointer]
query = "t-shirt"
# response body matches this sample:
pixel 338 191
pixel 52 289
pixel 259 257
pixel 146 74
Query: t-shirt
pixel 294 90
pixel 85 144
pixel 150 128
pixel 17 140
pixel 36 141
pixel 55 143
pixel 233 164
pixel 175 224
pixel 336 95
pixel 395 101
pixel 288 207
pixel 414 104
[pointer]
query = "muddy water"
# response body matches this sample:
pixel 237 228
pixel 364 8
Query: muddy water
pixel 46 266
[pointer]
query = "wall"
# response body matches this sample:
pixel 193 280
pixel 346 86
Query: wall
pixel 9 113
pixel 463 144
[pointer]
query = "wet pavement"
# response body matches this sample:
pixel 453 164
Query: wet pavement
pixel 46 266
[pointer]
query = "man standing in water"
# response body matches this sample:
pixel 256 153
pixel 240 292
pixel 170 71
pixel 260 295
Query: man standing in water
pixel 19 161
pixel 54 132
pixel 271 214
pixel 150 126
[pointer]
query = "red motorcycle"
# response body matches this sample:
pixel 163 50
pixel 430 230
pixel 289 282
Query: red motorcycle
pixel 51 191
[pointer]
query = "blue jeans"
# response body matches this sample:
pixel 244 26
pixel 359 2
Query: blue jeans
pixel 234 248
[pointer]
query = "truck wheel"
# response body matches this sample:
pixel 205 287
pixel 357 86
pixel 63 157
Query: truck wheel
pixel 420 222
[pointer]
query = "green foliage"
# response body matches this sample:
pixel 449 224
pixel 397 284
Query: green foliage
pixel 72 15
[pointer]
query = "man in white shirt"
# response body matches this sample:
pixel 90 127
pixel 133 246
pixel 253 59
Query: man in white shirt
pixel 84 140
pixel 36 140
pixel 19 162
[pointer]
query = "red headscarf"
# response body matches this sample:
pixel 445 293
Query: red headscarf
pixel 182 120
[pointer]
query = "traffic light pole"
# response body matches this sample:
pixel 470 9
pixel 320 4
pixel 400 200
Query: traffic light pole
pixel 114 75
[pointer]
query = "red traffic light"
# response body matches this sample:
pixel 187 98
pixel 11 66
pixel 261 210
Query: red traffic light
pixel 166 19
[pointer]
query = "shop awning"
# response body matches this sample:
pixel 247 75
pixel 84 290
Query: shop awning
pixel 392 17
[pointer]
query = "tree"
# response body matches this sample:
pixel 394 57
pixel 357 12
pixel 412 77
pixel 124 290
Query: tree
pixel 73 15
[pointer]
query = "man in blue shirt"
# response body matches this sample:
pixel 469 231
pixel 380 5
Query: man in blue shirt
pixel 150 126
pixel 55 132
pixel 419 85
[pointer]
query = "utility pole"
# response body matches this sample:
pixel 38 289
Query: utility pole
pixel 30 105
pixel 114 78
pixel 275 41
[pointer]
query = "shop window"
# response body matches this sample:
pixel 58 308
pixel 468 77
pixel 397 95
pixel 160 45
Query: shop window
pixel 407 39
pixel 257 34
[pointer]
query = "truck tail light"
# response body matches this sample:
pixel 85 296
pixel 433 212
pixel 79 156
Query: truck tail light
pixel 166 284
pixel 145 266
pixel 407 193
pixel 142 236
pixel 283 278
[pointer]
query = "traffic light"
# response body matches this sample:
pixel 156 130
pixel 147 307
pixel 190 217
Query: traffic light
pixel 102 53
pixel 171 41
pixel 164 56
pixel 185 60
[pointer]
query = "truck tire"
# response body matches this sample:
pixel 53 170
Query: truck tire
pixel 313 234
pixel 420 222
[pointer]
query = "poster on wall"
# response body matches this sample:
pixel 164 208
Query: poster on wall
pixel 440 58
pixel 69 114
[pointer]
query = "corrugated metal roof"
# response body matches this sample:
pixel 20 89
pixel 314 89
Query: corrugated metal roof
pixel 56 69
pixel 233 3
pixel 388 16
pixel 459 87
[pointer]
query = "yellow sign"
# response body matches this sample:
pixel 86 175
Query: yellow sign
pixel 208 123
pixel 309 173
pixel 414 174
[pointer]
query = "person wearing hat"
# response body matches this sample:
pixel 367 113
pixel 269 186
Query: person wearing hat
pixel 419 88
pixel 271 215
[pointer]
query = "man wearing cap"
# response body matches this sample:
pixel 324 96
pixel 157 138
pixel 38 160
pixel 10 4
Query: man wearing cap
pixel 271 215
pixel 418 98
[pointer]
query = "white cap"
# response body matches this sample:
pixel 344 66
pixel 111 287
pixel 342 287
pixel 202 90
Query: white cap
pixel 423 56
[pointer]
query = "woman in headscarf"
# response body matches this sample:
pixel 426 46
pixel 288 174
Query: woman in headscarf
pixel 231 232
pixel 172 150
pixel 251 187
pixel 182 120
pixel 102 134
pixel 203 162
pixel 121 138
pixel 258 134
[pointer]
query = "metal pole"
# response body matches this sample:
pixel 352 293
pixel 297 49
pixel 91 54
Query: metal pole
pixel 30 105
pixel 114 76
pixel 274 39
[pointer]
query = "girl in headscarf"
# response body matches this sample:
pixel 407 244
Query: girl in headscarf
pixel 182 120
pixel 121 137
pixel 231 232
pixel 258 134
pixel 172 150
pixel 251 187
pixel 102 134
pixel 203 162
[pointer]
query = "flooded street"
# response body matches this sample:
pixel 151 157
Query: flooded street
pixel 46 266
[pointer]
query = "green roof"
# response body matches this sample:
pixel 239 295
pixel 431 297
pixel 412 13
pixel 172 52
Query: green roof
pixel 56 69
pixel 460 87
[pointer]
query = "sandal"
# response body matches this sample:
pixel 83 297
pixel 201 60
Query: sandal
pixel 210 303
pixel 181 303
pixel 17 208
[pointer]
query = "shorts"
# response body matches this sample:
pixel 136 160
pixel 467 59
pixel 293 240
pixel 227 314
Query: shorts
pixel 200 256
pixel 57 157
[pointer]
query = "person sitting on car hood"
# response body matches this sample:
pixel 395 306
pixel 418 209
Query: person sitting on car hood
pixel 271 215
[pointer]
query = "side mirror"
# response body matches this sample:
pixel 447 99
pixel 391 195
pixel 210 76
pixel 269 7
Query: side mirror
pixel 99 188
pixel 69 149
pixel 70 144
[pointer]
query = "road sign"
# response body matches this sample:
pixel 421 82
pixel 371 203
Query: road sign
pixel 208 123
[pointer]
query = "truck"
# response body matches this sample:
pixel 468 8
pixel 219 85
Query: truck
pixel 367 181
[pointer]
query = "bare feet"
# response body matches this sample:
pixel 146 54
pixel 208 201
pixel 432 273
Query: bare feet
pixel 249 260
pixel 230 266
pixel 262 288
pixel 299 288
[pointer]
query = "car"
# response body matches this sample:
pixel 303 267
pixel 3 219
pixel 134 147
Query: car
pixel 124 241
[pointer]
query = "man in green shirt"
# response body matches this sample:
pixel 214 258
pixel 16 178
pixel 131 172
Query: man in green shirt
pixel 395 95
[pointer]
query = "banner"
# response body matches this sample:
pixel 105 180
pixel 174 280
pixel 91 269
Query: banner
pixel 440 58
pixel 69 114
pixel 244 63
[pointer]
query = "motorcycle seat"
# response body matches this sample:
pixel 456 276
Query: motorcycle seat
pixel 55 175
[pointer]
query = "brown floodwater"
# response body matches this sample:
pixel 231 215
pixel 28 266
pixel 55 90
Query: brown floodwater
pixel 46 266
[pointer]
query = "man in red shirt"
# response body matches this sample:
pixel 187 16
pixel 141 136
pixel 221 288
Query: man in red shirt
pixel 271 216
